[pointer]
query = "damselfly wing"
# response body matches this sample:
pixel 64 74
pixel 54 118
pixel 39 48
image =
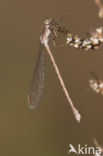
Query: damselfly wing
pixel 37 83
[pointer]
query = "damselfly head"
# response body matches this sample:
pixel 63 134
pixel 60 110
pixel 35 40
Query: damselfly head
pixel 48 21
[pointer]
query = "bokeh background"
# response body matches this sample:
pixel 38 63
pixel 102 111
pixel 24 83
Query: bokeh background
pixel 48 130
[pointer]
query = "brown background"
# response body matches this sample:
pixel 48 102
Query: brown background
pixel 50 129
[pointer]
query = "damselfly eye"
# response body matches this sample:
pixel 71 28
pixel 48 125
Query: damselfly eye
pixel 47 22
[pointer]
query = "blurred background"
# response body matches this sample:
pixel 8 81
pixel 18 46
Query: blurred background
pixel 48 130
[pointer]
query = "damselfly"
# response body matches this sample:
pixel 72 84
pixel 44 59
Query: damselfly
pixel 37 83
